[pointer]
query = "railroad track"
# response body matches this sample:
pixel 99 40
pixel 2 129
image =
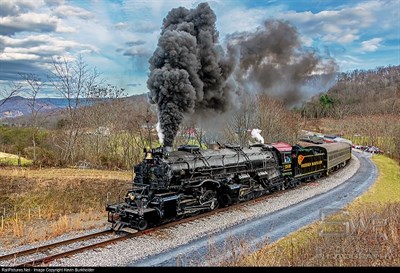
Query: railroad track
pixel 46 248
pixel 124 235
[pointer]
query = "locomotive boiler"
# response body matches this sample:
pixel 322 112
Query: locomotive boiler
pixel 170 185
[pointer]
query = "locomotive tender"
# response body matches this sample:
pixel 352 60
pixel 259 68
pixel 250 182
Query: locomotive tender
pixel 170 185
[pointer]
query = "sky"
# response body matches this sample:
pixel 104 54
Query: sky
pixel 117 37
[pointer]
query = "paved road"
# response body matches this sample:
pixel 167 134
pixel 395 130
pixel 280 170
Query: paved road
pixel 275 225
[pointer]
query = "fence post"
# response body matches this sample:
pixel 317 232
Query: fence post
pixel 108 197
pixel 19 159
pixel 2 218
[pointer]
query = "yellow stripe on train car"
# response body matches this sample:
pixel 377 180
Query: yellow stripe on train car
pixel 305 165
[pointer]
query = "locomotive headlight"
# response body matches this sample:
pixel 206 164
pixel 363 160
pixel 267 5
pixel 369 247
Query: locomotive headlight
pixel 131 196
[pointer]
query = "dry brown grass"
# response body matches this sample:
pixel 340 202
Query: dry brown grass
pixel 18 227
pixel 41 204
pixel 373 239
pixel 64 173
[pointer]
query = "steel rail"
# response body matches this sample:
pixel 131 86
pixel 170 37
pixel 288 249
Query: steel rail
pixel 53 245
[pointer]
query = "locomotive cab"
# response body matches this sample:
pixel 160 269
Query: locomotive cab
pixel 284 153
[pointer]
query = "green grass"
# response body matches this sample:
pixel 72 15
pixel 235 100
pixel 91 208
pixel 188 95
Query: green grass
pixel 13 160
pixel 195 142
pixel 387 187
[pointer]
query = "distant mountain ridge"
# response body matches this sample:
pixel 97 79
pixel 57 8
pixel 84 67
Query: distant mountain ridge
pixel 19 106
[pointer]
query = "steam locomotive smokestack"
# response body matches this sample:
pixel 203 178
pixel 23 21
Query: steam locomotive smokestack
pixel 188 74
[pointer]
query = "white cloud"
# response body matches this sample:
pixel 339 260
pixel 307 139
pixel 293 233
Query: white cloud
pixel 371 45
pixel 336 26
pixel 34 22
pixel 39 47
pixel 65 11
pixel 12 56
pixel 15 7
pixel 347 38
pixel 121 25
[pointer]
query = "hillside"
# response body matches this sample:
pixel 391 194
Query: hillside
pixel 360 92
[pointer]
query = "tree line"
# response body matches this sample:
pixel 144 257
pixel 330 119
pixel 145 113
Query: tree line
pixel 359 92
pixel 107 129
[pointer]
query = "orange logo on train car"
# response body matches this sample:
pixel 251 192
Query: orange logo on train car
pixel 300 159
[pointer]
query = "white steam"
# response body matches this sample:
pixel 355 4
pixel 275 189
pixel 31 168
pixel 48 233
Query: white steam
pixel 160 133
pixel 255 133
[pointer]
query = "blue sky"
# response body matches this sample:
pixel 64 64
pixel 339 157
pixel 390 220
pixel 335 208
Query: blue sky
pixel 119 36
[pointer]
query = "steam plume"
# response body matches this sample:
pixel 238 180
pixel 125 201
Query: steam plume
pixel 255 133
pixel 188 71
pixel 190 75
pixel 271 60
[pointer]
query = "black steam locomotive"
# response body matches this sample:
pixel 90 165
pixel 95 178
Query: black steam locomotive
pixel 170 185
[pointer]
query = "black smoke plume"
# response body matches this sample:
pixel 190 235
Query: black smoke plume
pixel 272 60
pixel 190 75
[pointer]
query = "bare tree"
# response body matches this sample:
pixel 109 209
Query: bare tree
pixel 73 80
pixel 242 121
pixel 136 129
pixel 396 100
pixel 396 138
pixel 199 134
pixel 102 117
pixel 12 90
pixel 34 84
pixel 276 122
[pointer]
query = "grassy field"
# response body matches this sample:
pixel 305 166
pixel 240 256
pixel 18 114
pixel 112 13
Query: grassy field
pixel 387 188
pixel 38 204
pixel 373 222
pixel 13 160
pixel 65 173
